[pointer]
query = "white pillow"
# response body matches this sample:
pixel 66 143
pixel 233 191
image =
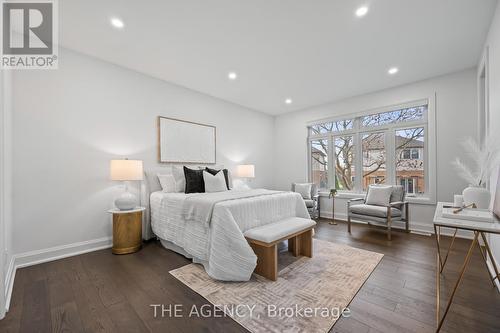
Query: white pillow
pixel 304 190
pixel 378 195
pixel 167 183
pixel 215 183
pixel 180 179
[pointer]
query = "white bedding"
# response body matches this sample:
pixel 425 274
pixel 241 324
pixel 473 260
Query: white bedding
pixel 219 244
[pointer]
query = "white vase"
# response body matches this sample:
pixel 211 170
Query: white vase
pixel 478 195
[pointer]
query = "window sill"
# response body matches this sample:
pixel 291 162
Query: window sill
pixel 353 195
pixel 343 195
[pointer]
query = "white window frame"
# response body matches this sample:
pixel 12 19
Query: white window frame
pixel 429 152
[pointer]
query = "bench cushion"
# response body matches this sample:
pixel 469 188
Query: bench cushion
pixel 277 230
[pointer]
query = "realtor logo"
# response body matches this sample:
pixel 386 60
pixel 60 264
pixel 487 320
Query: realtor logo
pixel 29 34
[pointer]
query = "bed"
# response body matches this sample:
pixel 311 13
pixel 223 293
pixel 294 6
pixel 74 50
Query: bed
pixel 209 227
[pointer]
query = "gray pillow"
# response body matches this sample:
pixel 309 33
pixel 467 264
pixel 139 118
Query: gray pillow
pixel 304 190
pixel 378 195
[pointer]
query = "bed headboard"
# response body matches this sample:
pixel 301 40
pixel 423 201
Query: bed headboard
pixel 149 185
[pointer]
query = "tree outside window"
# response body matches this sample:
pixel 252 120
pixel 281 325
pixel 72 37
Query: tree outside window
pixel 319 163
pixel 374 157
pixel 344 163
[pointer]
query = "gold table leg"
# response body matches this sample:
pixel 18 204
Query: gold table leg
pixel 462 271
pixel 438 276
pixel 492 259
pixel 449 249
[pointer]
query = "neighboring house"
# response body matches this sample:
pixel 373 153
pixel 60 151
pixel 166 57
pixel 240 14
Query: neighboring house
pixel 409 164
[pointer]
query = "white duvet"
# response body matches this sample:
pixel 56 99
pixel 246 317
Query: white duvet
pixel 210 226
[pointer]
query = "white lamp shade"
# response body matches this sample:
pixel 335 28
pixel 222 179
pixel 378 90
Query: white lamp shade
pixel 126 170
pixel 245 171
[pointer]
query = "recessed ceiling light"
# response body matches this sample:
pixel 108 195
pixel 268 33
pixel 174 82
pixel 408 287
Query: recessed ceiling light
pixel 393 70
pixel 361 11
pixel 288 101
pixel 117 23
pixel 232 76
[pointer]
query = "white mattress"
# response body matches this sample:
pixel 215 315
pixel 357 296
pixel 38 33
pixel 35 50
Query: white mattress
pixel 220 245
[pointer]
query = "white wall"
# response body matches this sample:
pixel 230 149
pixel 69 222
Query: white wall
pixel 5 185
pixel 493 44
pixel 2 200
pixel 68 124
pixel 456 105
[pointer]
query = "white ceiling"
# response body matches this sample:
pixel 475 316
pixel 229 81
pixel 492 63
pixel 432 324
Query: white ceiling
pixel 311 51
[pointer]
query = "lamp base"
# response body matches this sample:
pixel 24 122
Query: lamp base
pixel 126 201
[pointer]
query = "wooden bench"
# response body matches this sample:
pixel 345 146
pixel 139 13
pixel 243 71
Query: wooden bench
pixel 264 241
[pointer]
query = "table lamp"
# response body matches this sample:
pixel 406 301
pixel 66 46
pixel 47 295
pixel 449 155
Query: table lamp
pixel 126 170
pixel 245 171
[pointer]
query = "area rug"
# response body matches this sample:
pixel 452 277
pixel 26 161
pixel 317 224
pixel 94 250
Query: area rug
pixel 309 295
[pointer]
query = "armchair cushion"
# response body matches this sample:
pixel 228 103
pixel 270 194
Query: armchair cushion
pixel 398 194
pixel 378 195
pixel 309 203
pixel 371 210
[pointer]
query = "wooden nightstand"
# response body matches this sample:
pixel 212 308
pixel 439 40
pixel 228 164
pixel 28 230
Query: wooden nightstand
pixel 127 230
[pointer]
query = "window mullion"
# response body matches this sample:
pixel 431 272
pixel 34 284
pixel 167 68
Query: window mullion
pixel 331 164
pixel 358 163
pixel 358 157
pixel 390 138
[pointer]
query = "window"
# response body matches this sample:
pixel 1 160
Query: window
pixel 319 163
pixel 384 147
pixel 409 184
pixel 409 165
pixel 344 163
pixel 374 156
pixel 409 114
pixel 333 126
pixel 410 154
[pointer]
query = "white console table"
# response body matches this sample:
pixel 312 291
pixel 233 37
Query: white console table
pixel 479 229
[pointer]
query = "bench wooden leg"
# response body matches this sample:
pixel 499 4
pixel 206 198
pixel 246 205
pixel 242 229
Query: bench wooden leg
pixel 294 246
pixel 267 261
pixel 305 241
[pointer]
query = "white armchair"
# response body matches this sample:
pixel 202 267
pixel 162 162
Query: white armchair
pixel 396 210
pixel 312 202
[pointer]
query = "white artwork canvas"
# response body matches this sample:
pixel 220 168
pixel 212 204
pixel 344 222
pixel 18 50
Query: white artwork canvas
pixel 186 142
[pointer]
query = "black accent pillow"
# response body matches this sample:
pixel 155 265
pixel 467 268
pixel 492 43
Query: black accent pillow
pixel 213 172
pixel 194 181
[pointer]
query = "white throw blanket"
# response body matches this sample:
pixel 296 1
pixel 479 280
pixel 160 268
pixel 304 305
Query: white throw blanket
pixel 220 245
pixel 199 207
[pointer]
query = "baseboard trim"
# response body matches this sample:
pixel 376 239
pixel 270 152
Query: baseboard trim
pixel 417 227
pixel 45 255
pixel 9 283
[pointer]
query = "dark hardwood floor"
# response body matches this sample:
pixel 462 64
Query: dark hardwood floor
pixel 101 292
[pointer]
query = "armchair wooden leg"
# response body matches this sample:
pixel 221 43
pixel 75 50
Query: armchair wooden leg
pixel 348 216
